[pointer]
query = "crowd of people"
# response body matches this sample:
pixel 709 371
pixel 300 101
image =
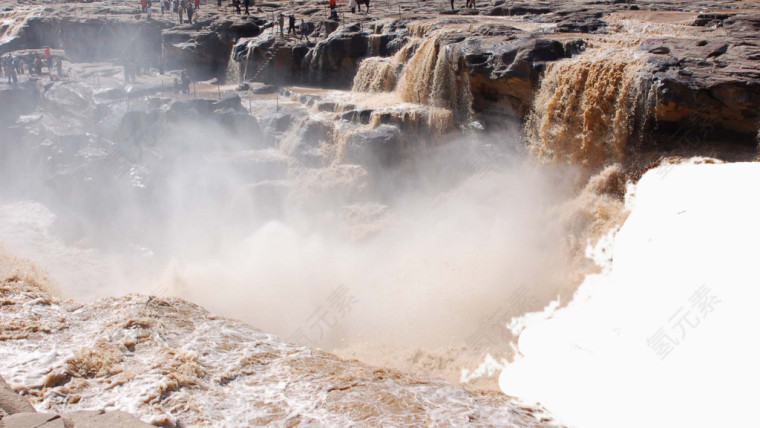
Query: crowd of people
pixel 187 9
pixel 184 9
pixel 32 64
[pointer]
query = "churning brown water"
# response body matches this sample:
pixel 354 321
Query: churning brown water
pixel 583 112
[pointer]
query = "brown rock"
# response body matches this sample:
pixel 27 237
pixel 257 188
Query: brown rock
pixel 99 419
pixel 12 403
pixel 36 420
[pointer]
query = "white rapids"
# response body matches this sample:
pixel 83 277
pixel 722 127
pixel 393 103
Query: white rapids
pixel 662 336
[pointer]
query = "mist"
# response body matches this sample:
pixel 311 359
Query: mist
pixel 164 201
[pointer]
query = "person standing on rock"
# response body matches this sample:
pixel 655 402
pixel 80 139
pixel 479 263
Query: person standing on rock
pixel 180 9
pixel 292 25
pixel 49 60
pixel 304 31
pixel 10 70
pixel 185 82
pixel 17 67
pixel 352 5
pixel 13 77
pixel 247 3
pixel 197 4
pixel 333 12
pixel 189 11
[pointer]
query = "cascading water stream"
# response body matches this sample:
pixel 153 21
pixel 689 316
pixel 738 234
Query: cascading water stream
pixel 237 65
pixel 423 72
pixel 12 21
pixel 233 72
pixel 584 110
pixel 376 74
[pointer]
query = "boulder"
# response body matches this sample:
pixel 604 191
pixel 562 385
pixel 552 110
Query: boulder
pixel 307 137
pixel 34 420
pixel 274 122
pixel 12 403
pixel 228 103
pixel 505 71
pixel 101 419
pixel 379 147
pixel 80 419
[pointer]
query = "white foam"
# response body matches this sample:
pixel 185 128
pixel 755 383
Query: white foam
pixel 692 229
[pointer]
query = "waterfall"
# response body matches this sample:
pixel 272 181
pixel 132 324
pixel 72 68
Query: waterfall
pixel 584 109
pixel 423 72
pixel 237 64
pixel 450 88
pixel 378 74
pixel 433 120
pixel 373 44
pixel 375 74
pixel 415 82
pixel 12 21
pixel 233 73
pixel 432 77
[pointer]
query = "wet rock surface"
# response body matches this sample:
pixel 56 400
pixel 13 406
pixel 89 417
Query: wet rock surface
pixel 12 403
pixel 17 412
pixel 81 419
pixel 380 145
pixel 716 82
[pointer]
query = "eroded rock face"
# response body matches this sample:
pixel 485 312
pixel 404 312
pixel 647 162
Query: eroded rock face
pixel 333 61
pixel 504 74
pixel 714 82
pixel 380 147
pixel 12 403
pixel 89 38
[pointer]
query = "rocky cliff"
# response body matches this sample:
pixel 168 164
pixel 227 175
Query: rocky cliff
pixel 701 58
